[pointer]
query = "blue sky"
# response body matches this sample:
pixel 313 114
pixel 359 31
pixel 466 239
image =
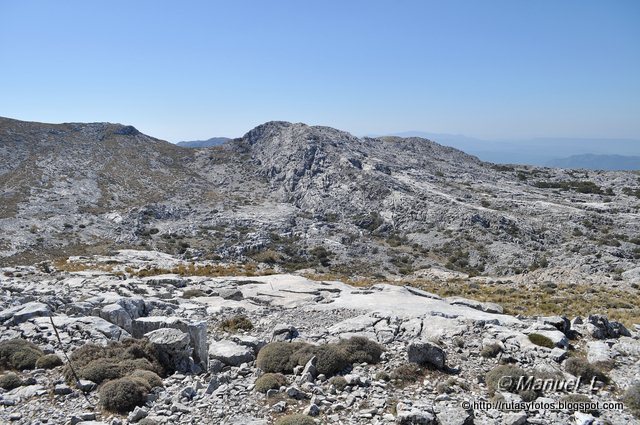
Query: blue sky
pixel 191 70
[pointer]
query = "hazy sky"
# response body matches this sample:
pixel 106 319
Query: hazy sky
pixel 186 70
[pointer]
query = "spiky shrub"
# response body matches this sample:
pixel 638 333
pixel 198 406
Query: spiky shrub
pixel 580 367
pixel 541 340
pixel 150 377
pixel 632 399
pixel 361 350
pixel 332 358
pixel 490 351
pixel 270 381
pixel 296 419
pixel 10 381
pixel 504 378
pixel 19 354
pixel 124 394
pixel 236 323
pixel 339 382
pixel 275 357
pixel 49 361
pixel 100 370
pixel 406 373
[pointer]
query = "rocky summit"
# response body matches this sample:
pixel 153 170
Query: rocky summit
pixel 301 275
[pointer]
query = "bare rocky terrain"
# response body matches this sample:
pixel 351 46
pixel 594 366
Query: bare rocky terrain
pixel 310 235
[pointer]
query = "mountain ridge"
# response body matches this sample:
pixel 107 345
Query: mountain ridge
pixel 299 196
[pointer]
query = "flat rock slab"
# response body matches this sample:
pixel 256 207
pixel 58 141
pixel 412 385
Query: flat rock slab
pixel 230 353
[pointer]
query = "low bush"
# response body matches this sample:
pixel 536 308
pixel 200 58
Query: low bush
pixel 296 419
pixel 332 358
pixel 123 395
pixel 541 340
pixel 9 381
pixel 236 323
pixel 407 373
pixel 152 378
pixel 99 371
pixel 19 354
pixel 580 367
pixel 632 398
pixel 496 381
pixel 270 381
pixel 275 357
pixel 339 382
pixel 49 361
pixel 491 351
pixel 361 350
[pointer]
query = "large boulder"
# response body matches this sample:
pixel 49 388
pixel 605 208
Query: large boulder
pixel 426 353
pixel 29 311
pixel 174 351
pixel 117 315
pixel 197 332
pixel 599 327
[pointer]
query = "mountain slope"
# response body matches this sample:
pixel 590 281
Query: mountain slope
pixel 214 141
pixel 295 196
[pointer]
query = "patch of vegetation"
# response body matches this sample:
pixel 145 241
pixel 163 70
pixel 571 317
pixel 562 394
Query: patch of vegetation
pixel 296 419
pixel 124 394
pixel 19 354
pixel 282 357
pixel 116 360
pixel 631 192
pixel 339 382
pixel 49 361
pixel 9 381
pixel 407 373
pixel 496 378
pixel 369 222
pixel 491 351
pixel 150 377
pixel 580 367
pixel 270 381
pixel 632 399
pixel 580 186
pixel 541 340
pixel 236 323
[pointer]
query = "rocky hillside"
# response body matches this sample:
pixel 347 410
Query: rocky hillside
pixel 283 349
pixel 300 197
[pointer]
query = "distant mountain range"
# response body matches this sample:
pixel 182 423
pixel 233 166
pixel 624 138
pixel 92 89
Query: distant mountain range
pixel 214 141
pixel 598 162
pixel 604 154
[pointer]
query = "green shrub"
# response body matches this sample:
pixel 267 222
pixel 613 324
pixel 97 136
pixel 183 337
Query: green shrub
pixel 236 323
pixel 632 398
pixel 361 350
pixel 115 360
pixel 332 358
pixel 407 373
pixel 580 367
pixel 99 371
pixel 491 350
pixel 541 340
pixel 575 400
pixel 123 395
pixel 296 419
pixel 339 382
pixel 152 378
pixel 19 354
pixel 270 381
pixel 382 376
pixel 10 381
pixel 495 381
pixel 275 357
pixel 49 361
